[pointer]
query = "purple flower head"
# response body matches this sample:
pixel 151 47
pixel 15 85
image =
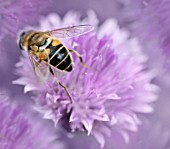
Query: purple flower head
pixel 18 130
pixel 108 96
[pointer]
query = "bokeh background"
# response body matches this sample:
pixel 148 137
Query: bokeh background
pixel 146 20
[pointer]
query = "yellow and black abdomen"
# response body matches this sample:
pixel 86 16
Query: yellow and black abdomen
pixel 60 57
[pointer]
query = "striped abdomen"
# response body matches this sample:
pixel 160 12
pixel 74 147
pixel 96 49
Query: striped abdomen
pixel 60 57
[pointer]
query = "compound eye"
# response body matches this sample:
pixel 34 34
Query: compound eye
pixel 23 33
pixel 21 40
pixel 20 46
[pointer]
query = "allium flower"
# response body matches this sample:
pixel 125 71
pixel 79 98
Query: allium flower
pixel 19 130
pixel 108 96
pixel 16 13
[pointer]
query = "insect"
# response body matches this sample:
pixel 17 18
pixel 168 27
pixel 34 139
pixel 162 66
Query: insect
pixel 45 47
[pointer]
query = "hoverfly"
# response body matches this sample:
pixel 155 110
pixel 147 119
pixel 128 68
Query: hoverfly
pixel 45 47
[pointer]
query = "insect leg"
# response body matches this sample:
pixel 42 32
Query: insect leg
pixel 80 57
pixel 63 86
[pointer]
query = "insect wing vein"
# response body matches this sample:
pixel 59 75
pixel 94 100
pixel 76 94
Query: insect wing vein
pixel 70 31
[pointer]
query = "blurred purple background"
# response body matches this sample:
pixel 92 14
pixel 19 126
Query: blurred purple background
pixel 137 16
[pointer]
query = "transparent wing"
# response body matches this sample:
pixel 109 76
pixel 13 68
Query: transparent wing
pixel 41 68
pixel 70 32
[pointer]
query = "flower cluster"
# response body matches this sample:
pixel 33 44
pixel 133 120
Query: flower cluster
pixel 108 96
